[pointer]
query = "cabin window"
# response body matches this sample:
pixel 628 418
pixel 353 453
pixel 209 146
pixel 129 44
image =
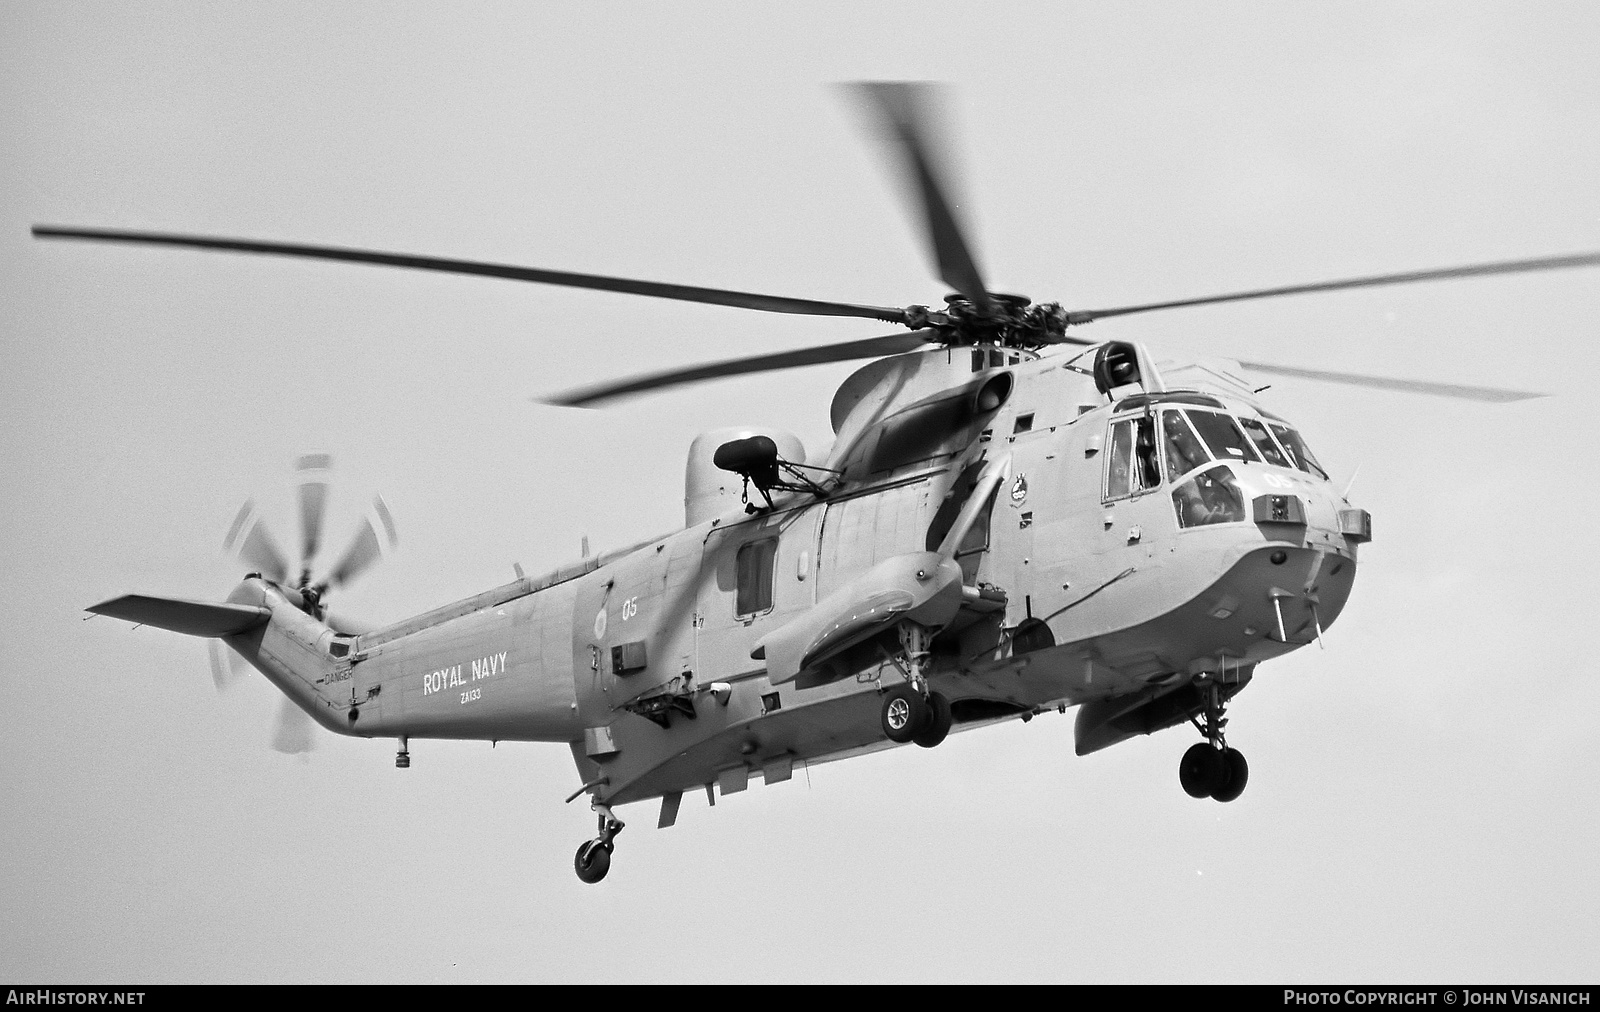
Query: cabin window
pixel 1024 423
pixel 1210 497
pixel 1131 466
pixel 992 358
pixel 753 576
pixel 1298 450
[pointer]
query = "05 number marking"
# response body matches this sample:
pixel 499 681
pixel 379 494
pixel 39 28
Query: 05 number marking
pixel 471 694
pixel 630 608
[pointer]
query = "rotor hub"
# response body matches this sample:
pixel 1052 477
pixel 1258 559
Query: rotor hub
pixel 1010 321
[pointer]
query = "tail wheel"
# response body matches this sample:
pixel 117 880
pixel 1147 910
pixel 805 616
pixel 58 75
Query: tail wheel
pixel 592 861
pixel 938 721
pixel 905 713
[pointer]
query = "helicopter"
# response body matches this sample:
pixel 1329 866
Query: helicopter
pixel 1011 520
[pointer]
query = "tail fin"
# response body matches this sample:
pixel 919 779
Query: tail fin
pixel 192 618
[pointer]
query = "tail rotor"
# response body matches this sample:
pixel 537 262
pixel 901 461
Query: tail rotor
pixel 250 541
pixel 227 667
pixel 313 507
pixel 366 549
pixel 291 733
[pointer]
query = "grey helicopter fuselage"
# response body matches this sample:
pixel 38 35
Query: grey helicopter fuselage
pixel 1103 557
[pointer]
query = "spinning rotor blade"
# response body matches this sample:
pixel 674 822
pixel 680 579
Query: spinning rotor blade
pixel 227 667
pixel 364 550
pixel 313 502
pixel 1374 281
pixel 656 289
pixel 292 735
pixel 347 626
pixel 255 547
pixel 872 347
pixel 1469 393
pixel 906 108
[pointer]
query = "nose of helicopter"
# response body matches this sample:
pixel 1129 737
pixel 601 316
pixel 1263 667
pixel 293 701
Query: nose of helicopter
pixel 1295 585
pixel 1290 506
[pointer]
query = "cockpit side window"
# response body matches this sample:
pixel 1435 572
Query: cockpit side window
pixel 1144 452
pixel 1298 450
pixel 1183 451
pixel 1258 435
pixel 1223 436
pixel 1210 497
pixel 1132 467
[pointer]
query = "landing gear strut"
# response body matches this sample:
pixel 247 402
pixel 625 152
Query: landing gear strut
pixel 911 711
pixel 593 859
pixel 1210 769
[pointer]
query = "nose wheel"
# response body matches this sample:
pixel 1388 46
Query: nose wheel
pixel 593 859
pixel 1210 772
pixel 1210 769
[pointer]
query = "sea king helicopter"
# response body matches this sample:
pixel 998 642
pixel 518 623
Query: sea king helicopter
pixel 1012 519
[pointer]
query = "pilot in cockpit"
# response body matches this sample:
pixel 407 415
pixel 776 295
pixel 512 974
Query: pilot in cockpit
pixel 1184 452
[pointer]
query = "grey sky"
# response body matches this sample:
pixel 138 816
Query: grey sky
pixel 1422 797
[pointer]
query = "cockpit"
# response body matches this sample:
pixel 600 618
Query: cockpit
pixel 1192 442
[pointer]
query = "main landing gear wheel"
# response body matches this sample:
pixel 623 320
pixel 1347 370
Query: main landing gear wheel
pixel 905 713
pixel 938 721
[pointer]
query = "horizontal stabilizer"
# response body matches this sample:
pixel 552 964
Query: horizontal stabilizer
pixel 192 618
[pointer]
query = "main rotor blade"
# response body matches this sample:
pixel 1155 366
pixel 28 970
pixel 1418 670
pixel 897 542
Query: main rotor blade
pixel 656 289
pixel 1458 391
pixel 1476 270
pixel 313 503
pixel 906 107
pixel 872 347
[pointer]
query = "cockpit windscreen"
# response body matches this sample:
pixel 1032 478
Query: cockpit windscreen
pixel 1298 450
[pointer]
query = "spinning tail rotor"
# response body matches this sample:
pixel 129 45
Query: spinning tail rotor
pixel 291 730
pixel 249 539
